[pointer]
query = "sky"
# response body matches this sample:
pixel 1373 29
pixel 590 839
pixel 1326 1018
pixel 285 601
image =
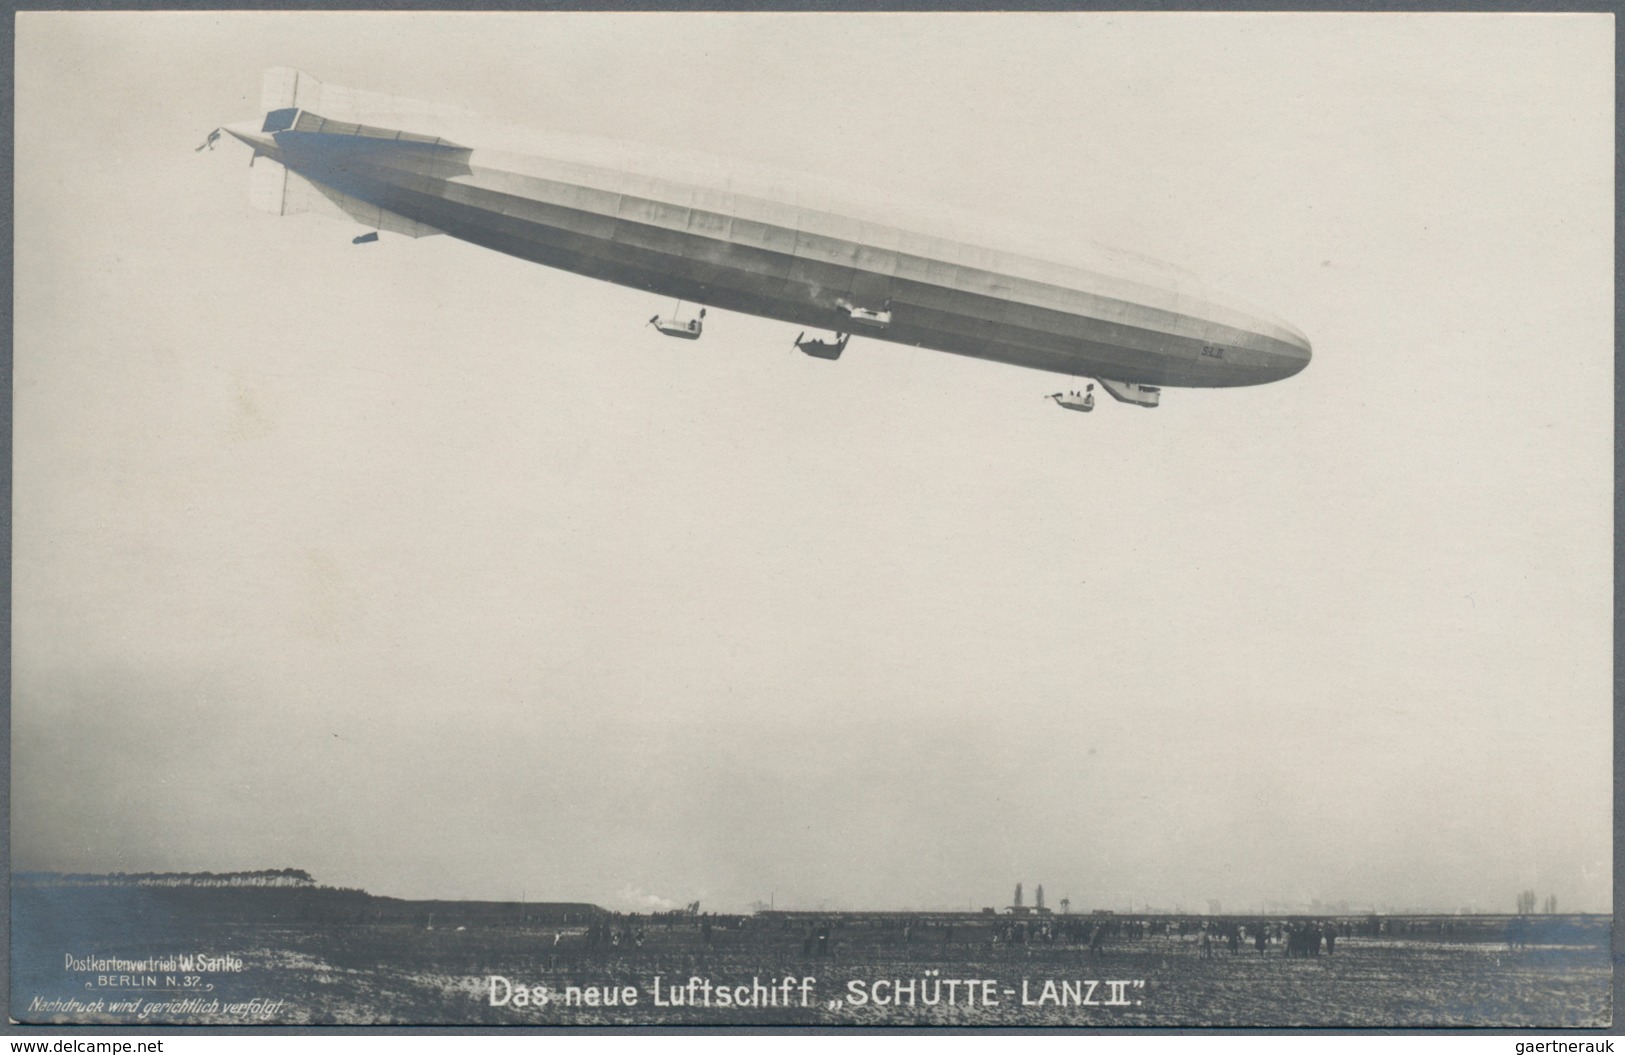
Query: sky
pixel 436 572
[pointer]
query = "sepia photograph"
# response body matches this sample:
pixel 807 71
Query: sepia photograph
pixel 791 520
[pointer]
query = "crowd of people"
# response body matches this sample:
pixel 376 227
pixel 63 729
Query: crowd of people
pixel 1295 938
pixel 820 935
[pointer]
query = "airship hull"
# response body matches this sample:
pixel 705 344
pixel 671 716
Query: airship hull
pixel 791 258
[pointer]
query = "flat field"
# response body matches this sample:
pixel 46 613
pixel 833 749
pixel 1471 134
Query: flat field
pixel 869 972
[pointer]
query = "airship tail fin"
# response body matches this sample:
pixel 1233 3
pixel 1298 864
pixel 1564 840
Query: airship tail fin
pixel 285 88
pixel 280 89
pixel 276 189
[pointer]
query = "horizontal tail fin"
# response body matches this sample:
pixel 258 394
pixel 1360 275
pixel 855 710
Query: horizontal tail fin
pixel 276 189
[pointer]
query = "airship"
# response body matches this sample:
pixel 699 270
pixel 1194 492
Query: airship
pixel 832 261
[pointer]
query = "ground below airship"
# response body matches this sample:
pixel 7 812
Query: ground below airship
pixel 781 246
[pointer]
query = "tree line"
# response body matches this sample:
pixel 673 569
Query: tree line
pixel 1526 903
pixel 263 877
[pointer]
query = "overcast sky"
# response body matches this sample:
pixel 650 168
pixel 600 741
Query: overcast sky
pixel 437 573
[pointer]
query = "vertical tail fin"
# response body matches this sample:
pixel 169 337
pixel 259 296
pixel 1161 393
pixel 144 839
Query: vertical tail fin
pixel 286 88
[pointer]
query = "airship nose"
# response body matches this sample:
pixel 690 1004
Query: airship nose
pixel 1299 353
